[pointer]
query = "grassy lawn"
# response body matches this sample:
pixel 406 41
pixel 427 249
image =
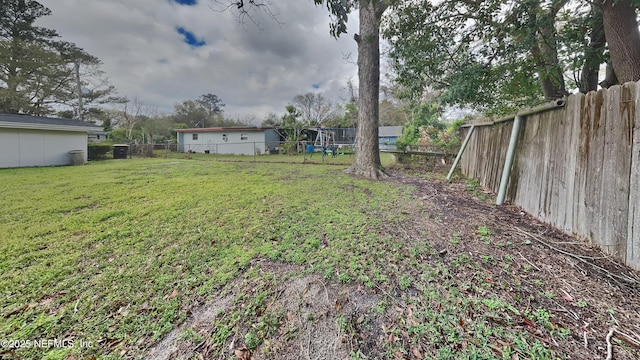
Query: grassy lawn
pixel 113 253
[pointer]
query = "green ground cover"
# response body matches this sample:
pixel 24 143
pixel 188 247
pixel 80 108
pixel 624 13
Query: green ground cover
pixel 114 252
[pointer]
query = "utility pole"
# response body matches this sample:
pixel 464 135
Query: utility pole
pixel 79 90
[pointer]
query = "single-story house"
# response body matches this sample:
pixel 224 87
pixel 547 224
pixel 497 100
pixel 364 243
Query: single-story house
pixel 41 141
pixel 228 140
pixel 388 136
pixel 97 136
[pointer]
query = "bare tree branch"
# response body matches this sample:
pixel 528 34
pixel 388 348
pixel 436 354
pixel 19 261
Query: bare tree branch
pixel 245 9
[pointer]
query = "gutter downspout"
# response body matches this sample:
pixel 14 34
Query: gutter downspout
pixel 506 171
pixel 464 146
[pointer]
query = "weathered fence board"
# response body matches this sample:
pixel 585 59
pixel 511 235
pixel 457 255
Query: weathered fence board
pixel 489 146
pixel 616 168
pixel 577 168
pixel 633 224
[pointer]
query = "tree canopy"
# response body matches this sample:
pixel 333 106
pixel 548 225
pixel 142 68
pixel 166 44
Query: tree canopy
pixel 499 55
pixel 205 111
pixel 38 69
pixel 314 108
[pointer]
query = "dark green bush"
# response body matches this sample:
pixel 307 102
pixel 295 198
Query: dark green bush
pixel 99 151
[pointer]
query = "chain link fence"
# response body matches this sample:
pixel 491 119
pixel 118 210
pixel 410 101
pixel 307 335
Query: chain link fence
pixel 285 152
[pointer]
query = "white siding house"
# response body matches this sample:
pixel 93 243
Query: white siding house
pixel 236 140
pixel 41 141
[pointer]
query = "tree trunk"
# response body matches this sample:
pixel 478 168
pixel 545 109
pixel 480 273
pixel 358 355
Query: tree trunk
pixel 545 51
pixel 623 38
pixel 367 157
pixel 593 54
pixel 610 77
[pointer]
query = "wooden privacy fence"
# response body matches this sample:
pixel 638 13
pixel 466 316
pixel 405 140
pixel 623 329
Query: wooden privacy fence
pixel 576 167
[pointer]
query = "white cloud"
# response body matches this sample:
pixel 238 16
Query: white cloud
pixel 254 69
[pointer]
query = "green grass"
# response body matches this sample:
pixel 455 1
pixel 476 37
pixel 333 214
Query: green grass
pixel 114 252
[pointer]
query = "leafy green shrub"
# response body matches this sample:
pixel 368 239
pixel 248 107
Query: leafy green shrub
pixel 99 151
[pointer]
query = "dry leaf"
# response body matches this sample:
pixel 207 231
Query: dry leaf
pixel 503 343
pixel 567 296
pixel 46 301
pixel 243 353
pixel 338 305
pixel 529 323
pixel 416 353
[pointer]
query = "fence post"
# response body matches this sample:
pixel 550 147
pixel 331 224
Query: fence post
pixel 506 171
pixel 464 146
pixel 254 151
pixel 216 152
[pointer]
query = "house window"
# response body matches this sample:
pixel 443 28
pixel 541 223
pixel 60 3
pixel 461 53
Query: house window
pixel 195 136
pixel 244 137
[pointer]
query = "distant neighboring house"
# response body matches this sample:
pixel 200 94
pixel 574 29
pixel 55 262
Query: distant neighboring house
pixel 97 136
pixel 388 136
pixel 231 140
pixel 41 141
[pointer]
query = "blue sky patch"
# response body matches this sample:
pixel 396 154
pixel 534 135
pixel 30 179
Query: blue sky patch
pixel 185 2
pixel 315 86
pixel 190 38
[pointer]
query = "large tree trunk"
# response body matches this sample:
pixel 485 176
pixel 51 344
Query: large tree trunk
pixel 623 38
pixel 367 158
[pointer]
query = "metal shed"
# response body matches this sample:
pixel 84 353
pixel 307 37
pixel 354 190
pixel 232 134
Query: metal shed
pixel 41 141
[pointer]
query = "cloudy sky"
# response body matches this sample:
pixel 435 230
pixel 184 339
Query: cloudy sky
pixel 166 51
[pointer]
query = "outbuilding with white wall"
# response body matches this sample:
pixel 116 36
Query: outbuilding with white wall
pixel 41 141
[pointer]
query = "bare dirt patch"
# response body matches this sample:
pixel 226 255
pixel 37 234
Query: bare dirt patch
pixel 305 311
